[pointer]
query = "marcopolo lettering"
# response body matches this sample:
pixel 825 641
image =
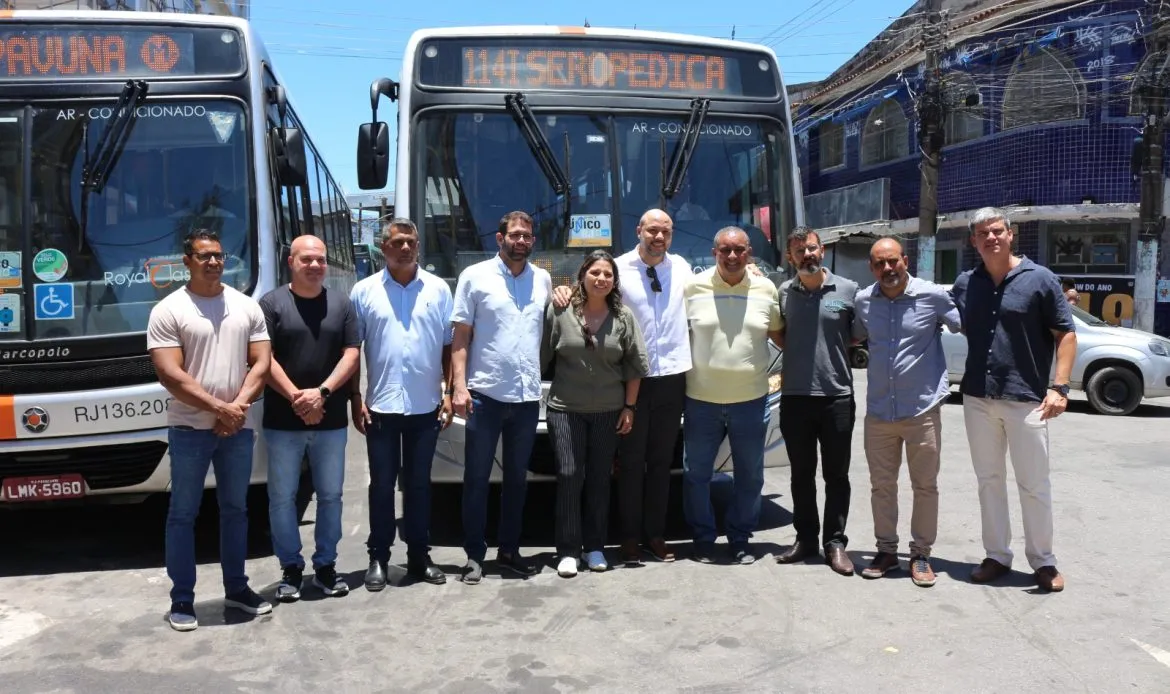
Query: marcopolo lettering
pixel 149 111
pixel 32 354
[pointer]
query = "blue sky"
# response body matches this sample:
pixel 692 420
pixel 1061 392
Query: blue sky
pixel 327 53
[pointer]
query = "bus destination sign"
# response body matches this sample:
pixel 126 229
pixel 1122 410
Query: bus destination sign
pixel 98 51
pixel 528 63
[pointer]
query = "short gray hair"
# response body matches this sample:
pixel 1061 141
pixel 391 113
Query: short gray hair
pixel 729 230
pixel 988 214
pixel 400 222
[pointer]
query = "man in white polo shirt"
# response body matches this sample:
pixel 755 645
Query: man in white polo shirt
pixel 732 314
pixel 495 360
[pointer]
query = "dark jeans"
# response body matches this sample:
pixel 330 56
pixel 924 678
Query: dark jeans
pixel 805 421
pixel 192 451
pixel 646 455
pixel 406 443
pixel 488 420
pixel 745 426
pixel 585 445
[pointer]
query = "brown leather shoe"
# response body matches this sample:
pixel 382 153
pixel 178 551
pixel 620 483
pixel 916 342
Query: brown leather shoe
pixel 990 570
pixel 836 558
pixel 921 572
pixel 882 563
pixel 629 553
pixel 1049 579
pixel 799 551
pixel 659 550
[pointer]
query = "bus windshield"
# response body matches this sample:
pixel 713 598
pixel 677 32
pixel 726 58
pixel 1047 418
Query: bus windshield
pixel 184 166
pixel 478 166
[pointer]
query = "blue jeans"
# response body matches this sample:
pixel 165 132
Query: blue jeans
pixel 490 418
pixel 192 452
pixel 286 451
pixel 406 443
pixel 745 424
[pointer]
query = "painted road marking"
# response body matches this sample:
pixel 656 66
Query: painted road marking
pixel 1159 655
pixel 17 625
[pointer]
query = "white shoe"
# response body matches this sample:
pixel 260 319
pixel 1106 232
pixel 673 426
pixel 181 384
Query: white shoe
pixel 567 567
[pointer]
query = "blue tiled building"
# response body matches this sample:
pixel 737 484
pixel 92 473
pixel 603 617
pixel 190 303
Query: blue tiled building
pixel 1041 119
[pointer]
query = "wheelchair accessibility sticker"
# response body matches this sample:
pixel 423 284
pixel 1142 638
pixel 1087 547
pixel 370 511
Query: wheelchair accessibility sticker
pixel 53 301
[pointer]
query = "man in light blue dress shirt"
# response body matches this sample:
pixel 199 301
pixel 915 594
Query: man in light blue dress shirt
pixel 404 322
pixel 495 359
pixel 907 378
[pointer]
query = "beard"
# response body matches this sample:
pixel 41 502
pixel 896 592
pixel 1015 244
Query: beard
pixel 809 267
pixel 515 253
pixel 891 279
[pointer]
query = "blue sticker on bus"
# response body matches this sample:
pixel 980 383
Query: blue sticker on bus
pixel 53 301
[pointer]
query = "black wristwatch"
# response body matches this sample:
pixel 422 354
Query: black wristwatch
pixel 325 392
pixel 1061 388
pixel 631 408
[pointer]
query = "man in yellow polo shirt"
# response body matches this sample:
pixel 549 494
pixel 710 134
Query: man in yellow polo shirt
pixel 732 313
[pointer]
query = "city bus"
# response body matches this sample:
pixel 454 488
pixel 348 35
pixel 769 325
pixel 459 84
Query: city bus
pixel 585 129
pixel 368 259
pixel 119 133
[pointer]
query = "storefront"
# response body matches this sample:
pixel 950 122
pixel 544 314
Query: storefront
pixel 1100 257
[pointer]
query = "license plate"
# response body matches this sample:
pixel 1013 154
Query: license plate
pixel 43 488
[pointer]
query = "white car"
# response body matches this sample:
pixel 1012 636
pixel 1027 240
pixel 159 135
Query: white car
pixel 1116 367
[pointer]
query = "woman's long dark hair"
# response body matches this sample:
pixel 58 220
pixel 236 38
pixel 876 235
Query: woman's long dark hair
pixel 613 299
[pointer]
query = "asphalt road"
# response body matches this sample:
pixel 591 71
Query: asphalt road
pixel 83 597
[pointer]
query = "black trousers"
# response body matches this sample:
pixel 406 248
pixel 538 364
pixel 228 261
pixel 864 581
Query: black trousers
pixel 805 421
pixel 585 446
pixel 646 454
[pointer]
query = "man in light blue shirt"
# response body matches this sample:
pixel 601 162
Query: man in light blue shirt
pixel 495 360
pixel 907 377
pixel 404 322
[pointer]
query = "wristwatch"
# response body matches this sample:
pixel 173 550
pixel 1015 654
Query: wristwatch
pixel 324 391
pixel 1061 388
pixel 631 408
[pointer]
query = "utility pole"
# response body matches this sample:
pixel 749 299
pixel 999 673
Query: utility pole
pixel 930 137
pixel 1153 87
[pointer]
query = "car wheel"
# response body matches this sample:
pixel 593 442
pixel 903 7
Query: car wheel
pixel 1114 390
pixel 859 357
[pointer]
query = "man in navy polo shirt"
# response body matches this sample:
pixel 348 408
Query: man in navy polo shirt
pixel 1015 316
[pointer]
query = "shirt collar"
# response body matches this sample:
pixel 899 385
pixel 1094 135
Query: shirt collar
pixel 829 283
pixel 388 279
pixel 507 271
pixel 1026 265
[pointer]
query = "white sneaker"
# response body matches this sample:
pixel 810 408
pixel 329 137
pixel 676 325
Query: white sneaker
pixel 567 567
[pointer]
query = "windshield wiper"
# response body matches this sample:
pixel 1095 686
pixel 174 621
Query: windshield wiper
pixel 96 171
pixel 681 159
pixel 517 105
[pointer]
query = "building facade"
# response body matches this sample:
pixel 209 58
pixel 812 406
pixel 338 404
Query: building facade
pixel 1041 117
pixel 235 8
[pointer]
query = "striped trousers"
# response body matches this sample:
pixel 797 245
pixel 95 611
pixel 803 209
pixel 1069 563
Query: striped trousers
pixel 585 446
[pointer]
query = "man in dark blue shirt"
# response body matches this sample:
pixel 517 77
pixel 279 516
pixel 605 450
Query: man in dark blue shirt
pixel 1015 316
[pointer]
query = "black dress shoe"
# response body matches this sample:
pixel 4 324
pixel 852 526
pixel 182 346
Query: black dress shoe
pixel 376 576
pixel 428 573
pixel 799 551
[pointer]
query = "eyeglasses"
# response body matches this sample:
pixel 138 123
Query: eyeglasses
pixel 652 273
pixel 208 257
pixel 526 238
pixel 590 341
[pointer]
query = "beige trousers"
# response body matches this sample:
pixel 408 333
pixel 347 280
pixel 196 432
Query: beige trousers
pixel 922 437
pixel 995 427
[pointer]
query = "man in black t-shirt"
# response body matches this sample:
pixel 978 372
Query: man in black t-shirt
pixel 315 351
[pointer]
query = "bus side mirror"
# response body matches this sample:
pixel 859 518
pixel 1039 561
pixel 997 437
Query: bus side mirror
pixel 288 146
pixel 373 155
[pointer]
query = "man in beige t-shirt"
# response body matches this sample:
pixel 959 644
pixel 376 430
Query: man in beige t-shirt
pixel 732 314
pixel 209 345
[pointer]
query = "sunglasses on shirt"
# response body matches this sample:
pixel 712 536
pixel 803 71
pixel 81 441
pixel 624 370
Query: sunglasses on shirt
pixel 652 273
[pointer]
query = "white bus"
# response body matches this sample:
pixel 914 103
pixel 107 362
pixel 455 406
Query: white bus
pixel 585 129
pixel 120 132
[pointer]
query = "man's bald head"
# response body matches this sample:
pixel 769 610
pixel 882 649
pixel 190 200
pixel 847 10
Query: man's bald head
pixel 886 245
pixel 307 242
